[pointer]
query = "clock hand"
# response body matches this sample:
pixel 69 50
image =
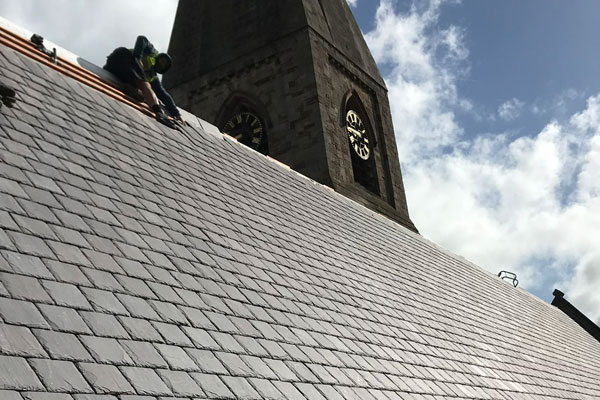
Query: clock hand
pixel 354 131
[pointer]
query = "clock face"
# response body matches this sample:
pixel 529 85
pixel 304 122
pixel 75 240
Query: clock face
pixel 247 129
pixel 357 134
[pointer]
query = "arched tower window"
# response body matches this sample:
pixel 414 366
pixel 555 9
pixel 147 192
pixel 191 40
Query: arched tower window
pixel 361 141
pixel 246 120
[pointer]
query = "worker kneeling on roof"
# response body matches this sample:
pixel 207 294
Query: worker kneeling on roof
pixel 138 68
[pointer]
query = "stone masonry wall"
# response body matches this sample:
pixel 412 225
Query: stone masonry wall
pixel 281 78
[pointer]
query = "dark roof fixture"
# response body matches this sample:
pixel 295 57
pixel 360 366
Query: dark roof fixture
pixel 38 41
pixel 576 315
pixel 505 275
pixel 7 95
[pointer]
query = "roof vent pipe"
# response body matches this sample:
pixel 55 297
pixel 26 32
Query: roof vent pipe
pixel 576 315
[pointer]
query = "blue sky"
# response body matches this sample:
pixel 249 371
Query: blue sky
pixel 531 50
pixel 496 107
pixel 534 51
pixel 496 116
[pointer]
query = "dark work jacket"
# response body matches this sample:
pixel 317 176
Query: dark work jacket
pixel 145 52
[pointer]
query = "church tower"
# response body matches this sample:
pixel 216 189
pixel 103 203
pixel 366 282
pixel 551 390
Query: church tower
pixel 295 80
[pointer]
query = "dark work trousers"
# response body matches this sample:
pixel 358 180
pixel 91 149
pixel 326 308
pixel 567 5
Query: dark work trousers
pixel 122 64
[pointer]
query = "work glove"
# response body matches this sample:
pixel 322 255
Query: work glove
pixel 162 117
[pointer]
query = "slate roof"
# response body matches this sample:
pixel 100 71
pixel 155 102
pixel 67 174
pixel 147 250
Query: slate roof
pixel 139 261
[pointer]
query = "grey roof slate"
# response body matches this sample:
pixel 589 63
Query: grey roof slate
pixel 140 261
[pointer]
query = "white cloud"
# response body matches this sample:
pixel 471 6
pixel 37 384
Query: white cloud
pixel 558 105
pixel 511 109
pixel 421 86
pixel 92 29
pixel 352 3
pixel 529 204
